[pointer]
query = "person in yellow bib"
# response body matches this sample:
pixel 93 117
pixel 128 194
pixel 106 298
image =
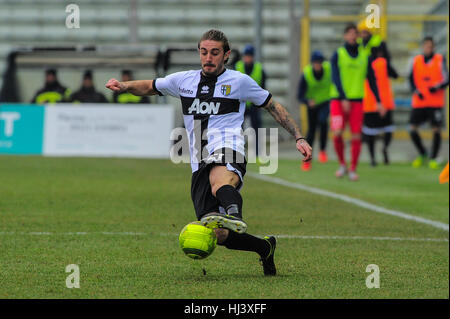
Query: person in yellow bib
pixel 314 92
pixel 128 98
pixel 254 69
pixel 53 91
pixel 428 79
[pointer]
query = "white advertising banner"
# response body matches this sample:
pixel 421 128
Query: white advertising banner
pixel 107 130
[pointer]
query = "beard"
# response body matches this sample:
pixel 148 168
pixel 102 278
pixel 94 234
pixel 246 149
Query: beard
pixel 215 71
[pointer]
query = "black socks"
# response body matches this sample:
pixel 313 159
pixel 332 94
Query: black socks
pixel 230 199
pixel 247 242
pixel 415 137
pixel 370 139
pixel 436 144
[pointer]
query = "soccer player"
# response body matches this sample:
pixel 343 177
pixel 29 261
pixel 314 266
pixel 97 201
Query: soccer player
pixel 378 104
pixel 428 79
pixel 213 104
pixel 314 92
pixel 349 71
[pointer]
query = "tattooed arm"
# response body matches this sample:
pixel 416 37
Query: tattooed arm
pixel 282 116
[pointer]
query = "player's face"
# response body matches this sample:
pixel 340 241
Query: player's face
pixel 428 47
pixel 365 35
pixel 212 57
pixel 350 36
pixel 317 66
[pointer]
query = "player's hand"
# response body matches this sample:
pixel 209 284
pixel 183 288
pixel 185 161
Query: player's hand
pixel 433 89
pixel 381 110
pixel 420 95
pixel 116 86
pixel 346 106
pixel 304 148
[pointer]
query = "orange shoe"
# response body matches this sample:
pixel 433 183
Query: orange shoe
pixel 306 166
pixel 323 158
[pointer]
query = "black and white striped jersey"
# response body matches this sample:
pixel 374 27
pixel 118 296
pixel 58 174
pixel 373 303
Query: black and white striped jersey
pixel 213 108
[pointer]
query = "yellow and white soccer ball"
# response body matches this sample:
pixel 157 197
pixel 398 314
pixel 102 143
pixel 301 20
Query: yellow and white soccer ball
pixel 197 241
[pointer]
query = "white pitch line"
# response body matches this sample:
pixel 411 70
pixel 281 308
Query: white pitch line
pixel 278 236
pixel 363 238
pixel 349 199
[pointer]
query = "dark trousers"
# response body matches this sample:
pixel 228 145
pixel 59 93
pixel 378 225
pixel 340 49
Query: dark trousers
pixel 255 121
pixel 318 119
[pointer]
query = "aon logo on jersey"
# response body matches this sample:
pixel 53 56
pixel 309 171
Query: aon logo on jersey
pixel 204 107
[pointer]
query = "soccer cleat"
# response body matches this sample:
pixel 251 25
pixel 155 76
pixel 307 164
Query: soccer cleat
pixel 419 161
pixel 323 158
pixel 268 262
pixel 306 166
pixel 433 164
pixel 353 176
pixel 341 171
pixel 216 220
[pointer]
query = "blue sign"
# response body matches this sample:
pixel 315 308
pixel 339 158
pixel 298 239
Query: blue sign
pixel 21 129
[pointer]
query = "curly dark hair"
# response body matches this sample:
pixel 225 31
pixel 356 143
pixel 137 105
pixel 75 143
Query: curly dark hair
pixel 216 35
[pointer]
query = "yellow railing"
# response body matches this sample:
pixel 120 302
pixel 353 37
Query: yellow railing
pixel 385 19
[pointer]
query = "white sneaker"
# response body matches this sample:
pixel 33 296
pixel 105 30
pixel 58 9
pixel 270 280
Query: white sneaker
pixel 353 176
pixel 341 171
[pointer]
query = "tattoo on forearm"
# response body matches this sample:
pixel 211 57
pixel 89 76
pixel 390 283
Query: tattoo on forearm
pixel 281 115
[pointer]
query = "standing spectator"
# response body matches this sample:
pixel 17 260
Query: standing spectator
pixel 368 41
pixel 87 92
pixel 428 78
pixel 349 71
pixel 53 91
pixel 254 69
pixel 125 97
pixel 378 104
pixel 314 91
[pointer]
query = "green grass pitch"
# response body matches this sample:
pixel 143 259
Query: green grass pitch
pixel 119 220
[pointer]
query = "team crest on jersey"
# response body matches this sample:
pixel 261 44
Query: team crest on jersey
pixel 226 89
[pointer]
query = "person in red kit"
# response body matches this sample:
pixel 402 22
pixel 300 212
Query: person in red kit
pixel 348 71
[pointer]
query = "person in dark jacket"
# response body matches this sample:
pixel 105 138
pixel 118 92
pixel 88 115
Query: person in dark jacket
pixel 87 92
pixel 53 91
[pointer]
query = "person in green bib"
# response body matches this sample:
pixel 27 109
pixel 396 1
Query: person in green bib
pixel 349 66
pixel 53 91
pixel 254 69
pixel 314 92
pixel 128 98
pixel 371 42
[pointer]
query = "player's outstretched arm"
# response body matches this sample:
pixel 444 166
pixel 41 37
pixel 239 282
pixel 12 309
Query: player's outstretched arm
pixel 282 116
pixel 139 87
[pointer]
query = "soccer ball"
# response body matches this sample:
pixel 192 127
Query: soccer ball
pixel 197 241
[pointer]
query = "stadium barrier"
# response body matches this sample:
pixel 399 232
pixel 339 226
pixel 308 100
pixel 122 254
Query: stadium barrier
pixel 97 130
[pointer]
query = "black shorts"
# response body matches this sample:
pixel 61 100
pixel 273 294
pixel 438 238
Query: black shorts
pixel 434 115
pixel 203 199
pixel 374 124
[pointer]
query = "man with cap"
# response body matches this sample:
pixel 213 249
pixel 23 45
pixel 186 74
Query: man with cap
pixel 125 97
pixel 254 69
pixel 87 92
pixel 53 91
pixel 314 92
